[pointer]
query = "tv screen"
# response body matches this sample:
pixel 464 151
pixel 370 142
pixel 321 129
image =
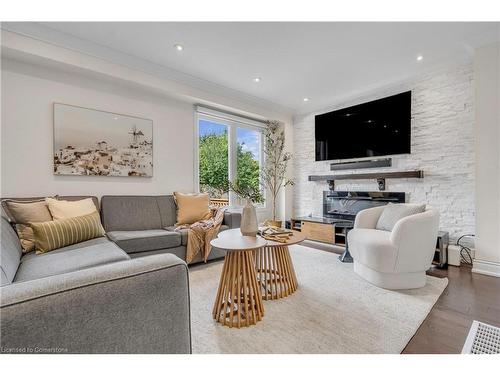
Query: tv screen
pixel 377 128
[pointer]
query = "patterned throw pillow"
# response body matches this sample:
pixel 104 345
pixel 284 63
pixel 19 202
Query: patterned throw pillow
pixel 52 235
pixel 392 213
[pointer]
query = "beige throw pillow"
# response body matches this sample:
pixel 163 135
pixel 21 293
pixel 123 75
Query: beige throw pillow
pixel 192 207
pixel 61 209
pixel 24 212
pixel 392 213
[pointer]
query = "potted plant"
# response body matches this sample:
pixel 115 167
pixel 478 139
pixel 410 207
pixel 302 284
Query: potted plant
pixel 273 174
pixel 251 194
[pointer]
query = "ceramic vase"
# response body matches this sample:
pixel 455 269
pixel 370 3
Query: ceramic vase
pixel 249 225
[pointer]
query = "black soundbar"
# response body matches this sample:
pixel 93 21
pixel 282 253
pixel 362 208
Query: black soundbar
pixel 377 163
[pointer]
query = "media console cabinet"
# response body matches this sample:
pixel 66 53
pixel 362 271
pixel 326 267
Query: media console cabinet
pixel 321 229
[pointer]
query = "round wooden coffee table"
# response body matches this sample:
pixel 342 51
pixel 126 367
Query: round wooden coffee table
pixel 273 265
pixel 274 268
pixel 239 301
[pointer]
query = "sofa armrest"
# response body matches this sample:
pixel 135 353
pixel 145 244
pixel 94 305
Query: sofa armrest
pixel 232 219
pixel 367 219
pixel 415 238
pixel 133 306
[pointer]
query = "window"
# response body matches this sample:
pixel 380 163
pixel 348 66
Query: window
pixel 228 148
pixel 248 154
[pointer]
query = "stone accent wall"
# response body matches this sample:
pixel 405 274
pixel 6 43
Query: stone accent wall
pixel 442 146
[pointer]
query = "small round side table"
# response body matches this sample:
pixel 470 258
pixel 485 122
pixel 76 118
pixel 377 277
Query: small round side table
pixel 239 301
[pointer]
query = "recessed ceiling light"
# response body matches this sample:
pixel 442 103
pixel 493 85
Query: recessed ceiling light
pixel 178 47
pixel 306 99
pixel 420 58
pixel 256 79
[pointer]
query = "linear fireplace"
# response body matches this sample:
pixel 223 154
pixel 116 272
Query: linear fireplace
pixel 346 204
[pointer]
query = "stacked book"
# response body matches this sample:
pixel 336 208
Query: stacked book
pixel 275 234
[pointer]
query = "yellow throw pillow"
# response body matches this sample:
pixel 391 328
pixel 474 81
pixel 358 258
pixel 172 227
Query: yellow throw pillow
pixel 54 234
pixel 61 209
pixel 24 212
pixel 192 207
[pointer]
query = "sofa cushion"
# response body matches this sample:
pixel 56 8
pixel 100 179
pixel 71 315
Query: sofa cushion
pixel 130 213
pixel 68 259
pixel 184 232
pixel 10 253
pixel 168 209
pixel 373 248
pixel 180 251
pixel 392 213
pixel 134 241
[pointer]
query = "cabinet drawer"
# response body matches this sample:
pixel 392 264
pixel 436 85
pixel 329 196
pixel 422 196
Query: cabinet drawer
pixel 317 231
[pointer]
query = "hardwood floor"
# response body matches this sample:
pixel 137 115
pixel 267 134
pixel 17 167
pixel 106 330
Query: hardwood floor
pixel 468 296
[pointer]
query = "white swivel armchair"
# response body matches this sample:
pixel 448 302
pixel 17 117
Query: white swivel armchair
pixel 396 259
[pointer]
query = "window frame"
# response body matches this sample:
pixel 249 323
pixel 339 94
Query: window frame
pixel 232 122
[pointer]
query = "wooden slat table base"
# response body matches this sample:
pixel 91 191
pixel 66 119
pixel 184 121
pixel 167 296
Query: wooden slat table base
pixel 238 302
pixel 275 272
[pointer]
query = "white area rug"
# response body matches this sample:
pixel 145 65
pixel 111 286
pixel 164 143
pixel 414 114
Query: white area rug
pixel 333 311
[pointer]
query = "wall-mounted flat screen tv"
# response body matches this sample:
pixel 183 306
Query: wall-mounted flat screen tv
pixel 377 128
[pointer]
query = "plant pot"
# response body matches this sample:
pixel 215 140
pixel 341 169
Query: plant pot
pixel 274 223
pixel 249 226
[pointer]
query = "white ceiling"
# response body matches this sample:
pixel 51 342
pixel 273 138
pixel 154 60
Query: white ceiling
pixel 321 61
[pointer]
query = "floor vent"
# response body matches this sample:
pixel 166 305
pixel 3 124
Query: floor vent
pixel 482 339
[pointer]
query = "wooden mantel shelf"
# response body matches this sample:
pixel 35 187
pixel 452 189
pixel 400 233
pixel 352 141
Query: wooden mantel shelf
pixel 379 176
pixel 367 176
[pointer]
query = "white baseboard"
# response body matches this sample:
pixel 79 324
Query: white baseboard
pixel 486 268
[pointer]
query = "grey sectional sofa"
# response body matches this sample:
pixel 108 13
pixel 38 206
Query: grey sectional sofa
pixel 145 225
pixel 91 297
pixel 102 295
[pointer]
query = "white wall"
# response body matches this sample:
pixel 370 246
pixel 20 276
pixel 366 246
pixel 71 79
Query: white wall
pixel 28 93
pixel 27 136
pixel 442 146
pixel 487 77
pixel 36 74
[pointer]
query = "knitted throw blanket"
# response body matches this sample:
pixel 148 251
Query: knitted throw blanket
pixel 201 233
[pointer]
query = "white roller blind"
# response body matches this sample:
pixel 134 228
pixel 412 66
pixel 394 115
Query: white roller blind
pixel 233 117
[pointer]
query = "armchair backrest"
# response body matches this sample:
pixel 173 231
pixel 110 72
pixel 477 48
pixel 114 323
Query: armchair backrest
pixel 415 238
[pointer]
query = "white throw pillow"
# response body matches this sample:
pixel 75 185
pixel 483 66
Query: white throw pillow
pixel 392 213
pixel 60 209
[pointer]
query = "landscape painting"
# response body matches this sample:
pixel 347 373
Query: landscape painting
pixel 89 142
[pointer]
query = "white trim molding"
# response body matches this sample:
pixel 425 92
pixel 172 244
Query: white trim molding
pixel 485 267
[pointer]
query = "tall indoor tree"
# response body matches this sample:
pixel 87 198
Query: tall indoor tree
pixel 273 173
